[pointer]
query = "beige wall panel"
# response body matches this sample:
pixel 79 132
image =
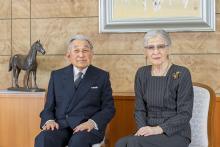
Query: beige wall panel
pixel 20 36
pixel 204 68
pixel 122 43
pixel 188 42
pixel 122 69
pixel 5 76
pixel 197 42
pixel 20 8
pixel 5 37
pixel 5 11
pixel 45 65
pixel 63 8
pixel 54 34
pixel 183 42
pixel 217 6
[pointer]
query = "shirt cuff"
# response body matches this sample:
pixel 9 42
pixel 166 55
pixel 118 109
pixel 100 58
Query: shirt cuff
pixel 94 123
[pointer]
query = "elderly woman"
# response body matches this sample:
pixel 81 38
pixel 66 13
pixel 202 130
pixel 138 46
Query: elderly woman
pixel 164 98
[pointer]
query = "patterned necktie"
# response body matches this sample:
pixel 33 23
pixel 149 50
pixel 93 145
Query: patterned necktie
pixel 77 81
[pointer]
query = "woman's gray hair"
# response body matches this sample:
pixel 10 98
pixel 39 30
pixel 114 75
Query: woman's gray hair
pixel 80 37
pixel 153 33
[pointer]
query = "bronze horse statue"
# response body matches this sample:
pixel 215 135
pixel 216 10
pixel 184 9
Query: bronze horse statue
pixel 26 62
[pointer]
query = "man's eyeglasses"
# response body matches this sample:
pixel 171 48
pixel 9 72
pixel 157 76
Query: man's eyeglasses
pixel 153 47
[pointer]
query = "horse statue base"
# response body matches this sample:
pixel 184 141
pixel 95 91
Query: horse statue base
pixel 22 89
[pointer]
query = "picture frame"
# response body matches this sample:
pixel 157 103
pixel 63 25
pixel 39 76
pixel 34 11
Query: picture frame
pixel 140 15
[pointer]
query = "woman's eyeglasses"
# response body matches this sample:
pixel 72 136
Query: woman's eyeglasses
pixel 153 47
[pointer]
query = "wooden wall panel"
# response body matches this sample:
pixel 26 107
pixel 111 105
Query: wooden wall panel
pixel 19 118
pixel 123 123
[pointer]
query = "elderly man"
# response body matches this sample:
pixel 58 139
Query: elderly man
pixel 79 102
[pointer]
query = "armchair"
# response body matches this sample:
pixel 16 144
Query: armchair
pixel 202 122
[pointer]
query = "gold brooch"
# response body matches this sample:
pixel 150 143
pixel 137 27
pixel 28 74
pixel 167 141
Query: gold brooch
pixel 176 75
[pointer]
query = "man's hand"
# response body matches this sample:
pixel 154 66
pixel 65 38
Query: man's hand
pixel 147 131
pixel 51 125
pixel 88 126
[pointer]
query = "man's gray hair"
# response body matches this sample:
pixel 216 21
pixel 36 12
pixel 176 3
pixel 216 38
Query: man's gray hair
pixel 153 33
pixel 80 37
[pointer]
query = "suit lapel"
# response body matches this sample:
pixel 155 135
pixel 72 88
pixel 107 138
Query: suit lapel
pixel 83 87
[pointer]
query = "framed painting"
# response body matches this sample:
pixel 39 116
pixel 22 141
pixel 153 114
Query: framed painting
pixel 144 15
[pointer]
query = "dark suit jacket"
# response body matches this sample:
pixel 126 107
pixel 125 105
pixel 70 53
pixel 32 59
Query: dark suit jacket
pixel 173 110
pixel 92 99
